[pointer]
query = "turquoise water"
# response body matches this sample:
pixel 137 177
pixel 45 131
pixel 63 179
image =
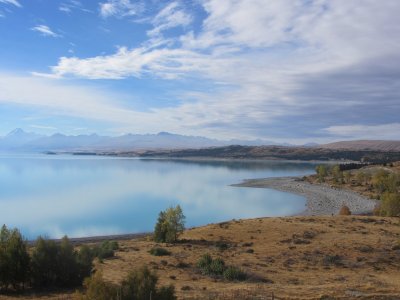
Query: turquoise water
pixel 54 195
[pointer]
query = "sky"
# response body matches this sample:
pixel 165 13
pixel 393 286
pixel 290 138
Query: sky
pixel 293 71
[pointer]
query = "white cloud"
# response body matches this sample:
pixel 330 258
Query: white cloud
pixel 69 6
pixel 61 98
pixel 268 60
pixel 45 31
pixel 42 127
pixel 377 132
pixel 169 17
pixel 120 8
pixel 13 2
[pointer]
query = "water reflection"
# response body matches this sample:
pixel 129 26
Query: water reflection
pixel 80 196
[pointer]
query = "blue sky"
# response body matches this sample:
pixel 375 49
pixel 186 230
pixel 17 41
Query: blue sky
pixel 288 71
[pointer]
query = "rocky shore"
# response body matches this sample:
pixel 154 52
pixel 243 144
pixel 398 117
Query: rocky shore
pixel 321 199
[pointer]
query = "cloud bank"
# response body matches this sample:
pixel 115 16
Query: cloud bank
pixel 278 69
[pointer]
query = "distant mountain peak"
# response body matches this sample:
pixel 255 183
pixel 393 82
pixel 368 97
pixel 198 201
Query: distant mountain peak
pixel 16 131
pixel 164 133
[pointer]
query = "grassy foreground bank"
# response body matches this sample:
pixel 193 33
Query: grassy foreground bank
pixel 293 257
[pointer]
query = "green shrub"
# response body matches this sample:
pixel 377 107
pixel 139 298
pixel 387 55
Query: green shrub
pixel 217 267
pixel 204 261
pixel 233 273
pixel 105 250
pixel 141 284
pixel 166 293
pixel 138 285
pixel 97 289
pixel 157 251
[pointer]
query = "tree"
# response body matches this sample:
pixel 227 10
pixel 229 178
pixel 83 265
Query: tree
pixel 140 284
pixel 321 172
pixel 98 289
pixel 337 174
pixel 14 258
pixel 59 264
pixel 170 224
pixel 44 263
pixel 67 264
pixel 390 205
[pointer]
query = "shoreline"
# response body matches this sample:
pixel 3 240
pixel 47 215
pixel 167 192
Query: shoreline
pixel 320 199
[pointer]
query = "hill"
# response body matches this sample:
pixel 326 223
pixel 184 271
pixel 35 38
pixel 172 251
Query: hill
pixel 271 152
pixel 373 145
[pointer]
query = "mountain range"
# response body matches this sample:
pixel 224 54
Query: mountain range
pixel 20 140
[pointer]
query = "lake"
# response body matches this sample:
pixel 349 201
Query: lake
pixel 54 195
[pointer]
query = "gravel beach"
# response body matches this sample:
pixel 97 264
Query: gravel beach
pixel 321 199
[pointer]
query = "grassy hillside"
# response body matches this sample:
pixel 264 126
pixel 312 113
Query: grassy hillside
pixel 294 258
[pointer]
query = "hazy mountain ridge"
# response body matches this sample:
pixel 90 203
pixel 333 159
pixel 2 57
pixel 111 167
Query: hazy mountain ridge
pixel 19 140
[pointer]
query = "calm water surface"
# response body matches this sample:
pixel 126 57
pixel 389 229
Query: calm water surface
pixel 86 196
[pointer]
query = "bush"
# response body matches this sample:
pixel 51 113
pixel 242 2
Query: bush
pixel 233 273
pixel 204 261
pixel 217 267
pixel 105 250
pixel 170 224
pixel 159 251
pixel 344 211
pixel 390 204
pixel 141 284
pixel 14 259
pixel 98 289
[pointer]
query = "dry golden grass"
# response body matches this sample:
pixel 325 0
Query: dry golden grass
pixel 293 257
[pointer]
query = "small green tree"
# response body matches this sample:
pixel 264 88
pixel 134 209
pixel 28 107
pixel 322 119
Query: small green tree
pixel 337 174
pixel 85 262
pixel 67 264
pixel 321 172
pixel 170 224
pixel 44 263
pixel 390 205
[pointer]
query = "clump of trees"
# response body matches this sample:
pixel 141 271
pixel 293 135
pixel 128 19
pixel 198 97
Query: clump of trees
pixel 170 224
pixel 51 264
pixel 14 259
pixel 384 185
pixel 139 284
pixel 59 264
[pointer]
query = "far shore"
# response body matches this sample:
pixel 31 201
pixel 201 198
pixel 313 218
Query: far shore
pixel 321 198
